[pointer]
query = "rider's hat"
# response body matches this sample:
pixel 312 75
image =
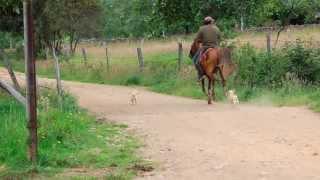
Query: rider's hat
pixel 208 20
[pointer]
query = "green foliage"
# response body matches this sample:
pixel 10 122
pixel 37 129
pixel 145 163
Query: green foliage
pixel 304 63
pixel 258 69
pixel 129 18
pixel 11 16
pixel 4 40
pixel 58 20
pixel 133 80
pixel 68 137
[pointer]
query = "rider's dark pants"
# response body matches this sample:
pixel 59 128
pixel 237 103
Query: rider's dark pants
pixel 196 62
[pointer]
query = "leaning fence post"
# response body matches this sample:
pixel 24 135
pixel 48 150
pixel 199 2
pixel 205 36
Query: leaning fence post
pixel 269 43
pixel 140 58
pixel 180 55
pixel 108 60
pixel 84 53
pixel 10 70
pixel 13 92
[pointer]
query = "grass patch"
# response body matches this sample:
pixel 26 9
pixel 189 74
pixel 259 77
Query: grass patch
pixel 68 138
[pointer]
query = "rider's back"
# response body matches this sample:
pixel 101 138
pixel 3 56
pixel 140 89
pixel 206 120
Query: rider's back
pixel 209 35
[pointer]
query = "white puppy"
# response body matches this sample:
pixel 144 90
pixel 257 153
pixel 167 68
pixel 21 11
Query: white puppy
pixel 134 97
pixel 232 96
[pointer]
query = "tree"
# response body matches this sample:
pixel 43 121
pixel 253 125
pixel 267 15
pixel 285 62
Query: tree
pixel 179 14
pixel 129 18
pixel 245 9
pixel 289 10
pixel 71 19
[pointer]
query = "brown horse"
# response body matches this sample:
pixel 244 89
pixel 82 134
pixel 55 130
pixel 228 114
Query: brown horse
pixel 213 61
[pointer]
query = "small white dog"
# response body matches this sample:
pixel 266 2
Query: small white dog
pixel 134 97
pixel 232 97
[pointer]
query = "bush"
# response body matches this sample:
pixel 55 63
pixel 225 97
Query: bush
pixel 259 69
pixel 303 62
pixel 133 80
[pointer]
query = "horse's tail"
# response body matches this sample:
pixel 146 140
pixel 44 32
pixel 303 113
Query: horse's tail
pixel 227 67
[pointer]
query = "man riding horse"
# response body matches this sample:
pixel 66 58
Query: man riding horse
pixel 210 59
pixel 209 36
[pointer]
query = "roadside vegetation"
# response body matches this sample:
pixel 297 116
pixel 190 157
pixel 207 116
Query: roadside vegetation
pixel 68 138
pixel 289 76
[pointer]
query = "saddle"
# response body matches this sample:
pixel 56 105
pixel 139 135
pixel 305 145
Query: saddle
pixel 204 54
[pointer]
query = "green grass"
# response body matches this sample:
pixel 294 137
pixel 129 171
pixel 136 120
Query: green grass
pixel 68 138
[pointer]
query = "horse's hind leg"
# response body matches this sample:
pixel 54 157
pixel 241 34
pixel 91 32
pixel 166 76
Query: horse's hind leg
pixel 224 82
pixel 210 91
pixel 203 86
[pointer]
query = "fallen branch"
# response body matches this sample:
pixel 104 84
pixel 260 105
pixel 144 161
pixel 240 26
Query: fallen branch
pixel 10 70
pixel 13 92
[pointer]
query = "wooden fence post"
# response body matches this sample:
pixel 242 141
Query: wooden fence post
pixel 108 60
pixel 10 70
pixel 11 43
pixel 140 58
pixel 180 55
pixel 58 76
pixel 84 53
pixel 269 48
pixel 48 53
pixel 30 82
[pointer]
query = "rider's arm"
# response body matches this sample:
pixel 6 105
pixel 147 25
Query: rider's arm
pixel 199 36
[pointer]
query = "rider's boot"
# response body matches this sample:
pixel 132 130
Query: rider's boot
pixel 201 75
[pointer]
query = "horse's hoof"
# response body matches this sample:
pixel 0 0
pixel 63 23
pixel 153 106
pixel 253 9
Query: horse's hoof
pixel 209 102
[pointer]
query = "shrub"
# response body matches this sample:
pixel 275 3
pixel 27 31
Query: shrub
pixel 304 62
pixel 133 80
pixel 259 69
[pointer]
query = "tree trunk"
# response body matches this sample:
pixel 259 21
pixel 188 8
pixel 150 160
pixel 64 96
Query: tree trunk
pixel 278 35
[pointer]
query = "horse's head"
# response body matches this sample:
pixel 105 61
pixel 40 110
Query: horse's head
pixel 194 48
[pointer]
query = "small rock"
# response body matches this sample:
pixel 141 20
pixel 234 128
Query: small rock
pixel 221 166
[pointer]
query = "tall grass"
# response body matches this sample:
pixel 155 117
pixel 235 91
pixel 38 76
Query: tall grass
pixel 68 138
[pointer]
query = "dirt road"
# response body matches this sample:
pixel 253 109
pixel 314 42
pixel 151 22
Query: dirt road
pixel 188 139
